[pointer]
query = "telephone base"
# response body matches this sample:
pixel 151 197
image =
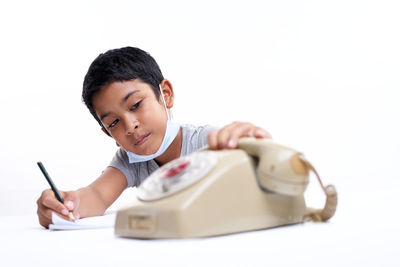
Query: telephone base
pixel 227 200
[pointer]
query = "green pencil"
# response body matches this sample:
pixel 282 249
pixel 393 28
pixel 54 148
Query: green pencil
pixel 53 187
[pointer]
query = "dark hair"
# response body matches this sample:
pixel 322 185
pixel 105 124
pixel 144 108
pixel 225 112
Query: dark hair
pixel 122 64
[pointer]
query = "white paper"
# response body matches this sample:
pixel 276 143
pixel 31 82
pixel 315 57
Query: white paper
pixel 104 221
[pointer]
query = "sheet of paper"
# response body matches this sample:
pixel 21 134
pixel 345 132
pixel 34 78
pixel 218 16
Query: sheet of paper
pixel 104 221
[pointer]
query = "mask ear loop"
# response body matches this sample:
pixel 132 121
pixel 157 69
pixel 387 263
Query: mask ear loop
pixel 322 215
pixel 169 115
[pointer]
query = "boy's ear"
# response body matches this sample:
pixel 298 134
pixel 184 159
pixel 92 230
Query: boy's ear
pixel 168 92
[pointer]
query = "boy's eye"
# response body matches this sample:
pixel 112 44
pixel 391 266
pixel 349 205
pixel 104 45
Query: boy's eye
pixel 113 124
pixel 136 105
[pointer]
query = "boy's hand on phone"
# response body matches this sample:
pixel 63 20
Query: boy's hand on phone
pixel 48 203
pixel 228 136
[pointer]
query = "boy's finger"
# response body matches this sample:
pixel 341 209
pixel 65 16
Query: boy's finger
pixel 250 130
pixel 72 208
pixel 242 130
pixel 69 204
pixel 225 134
pixel 71 200
pixel 51 202
pixel 42 214
pixel 46 214
pixel 228 136
pixel 76 215
pixel 43 219
pixel 261 133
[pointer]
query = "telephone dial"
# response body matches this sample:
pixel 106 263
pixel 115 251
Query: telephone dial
pixel 259 185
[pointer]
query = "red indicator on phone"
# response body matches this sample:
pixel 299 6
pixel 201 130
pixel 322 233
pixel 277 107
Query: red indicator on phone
pixel 177 169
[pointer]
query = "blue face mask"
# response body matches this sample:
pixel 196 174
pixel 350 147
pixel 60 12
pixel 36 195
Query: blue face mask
pixel 171 132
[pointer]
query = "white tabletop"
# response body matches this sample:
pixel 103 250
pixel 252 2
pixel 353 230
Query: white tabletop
pixel 359 235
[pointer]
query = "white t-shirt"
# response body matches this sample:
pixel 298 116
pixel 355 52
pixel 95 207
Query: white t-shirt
pixel 193 138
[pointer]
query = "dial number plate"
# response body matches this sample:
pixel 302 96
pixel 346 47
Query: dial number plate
pixel 177 175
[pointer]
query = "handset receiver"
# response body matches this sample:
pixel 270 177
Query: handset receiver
pixel 279 168
pixel 286 171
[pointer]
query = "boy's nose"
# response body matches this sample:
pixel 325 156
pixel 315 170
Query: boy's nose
pixel 131 126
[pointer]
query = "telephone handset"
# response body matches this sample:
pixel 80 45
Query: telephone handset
pixel 285 171
pixel 259 185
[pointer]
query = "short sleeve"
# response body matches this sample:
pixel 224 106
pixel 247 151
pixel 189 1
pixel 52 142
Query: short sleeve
pixel 120 162
pixel 195 137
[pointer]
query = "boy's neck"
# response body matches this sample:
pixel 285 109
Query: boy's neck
pixel 173 151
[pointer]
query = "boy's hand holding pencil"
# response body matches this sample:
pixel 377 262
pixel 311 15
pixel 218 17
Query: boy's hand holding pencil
pixel 52 200
pixel 48 203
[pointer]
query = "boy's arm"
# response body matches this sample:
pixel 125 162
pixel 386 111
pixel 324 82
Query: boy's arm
pixel 99 195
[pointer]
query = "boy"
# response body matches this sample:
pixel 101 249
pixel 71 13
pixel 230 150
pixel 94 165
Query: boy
pixel 127 94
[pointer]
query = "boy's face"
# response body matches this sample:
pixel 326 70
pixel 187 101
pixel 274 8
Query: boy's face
pixel 132 115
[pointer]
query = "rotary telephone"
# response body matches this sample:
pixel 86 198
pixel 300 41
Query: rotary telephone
pixel 259 185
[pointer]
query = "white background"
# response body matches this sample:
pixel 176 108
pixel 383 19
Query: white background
pixel 320 76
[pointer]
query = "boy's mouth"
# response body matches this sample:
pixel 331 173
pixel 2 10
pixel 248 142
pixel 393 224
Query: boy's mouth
pixel 141 139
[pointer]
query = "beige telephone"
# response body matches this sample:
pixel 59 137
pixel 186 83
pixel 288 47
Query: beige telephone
pixel 207 193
